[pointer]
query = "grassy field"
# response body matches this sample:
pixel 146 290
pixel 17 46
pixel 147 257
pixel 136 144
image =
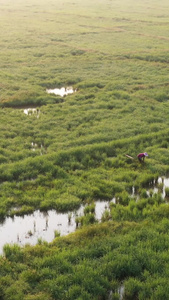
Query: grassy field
pixel 72 149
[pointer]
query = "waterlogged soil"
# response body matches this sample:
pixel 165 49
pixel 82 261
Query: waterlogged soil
pixel 39 225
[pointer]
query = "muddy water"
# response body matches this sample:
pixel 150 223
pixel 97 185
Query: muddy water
pixel 61 92
pixel 29 228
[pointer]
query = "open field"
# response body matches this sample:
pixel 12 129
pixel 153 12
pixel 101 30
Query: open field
pixel 71 150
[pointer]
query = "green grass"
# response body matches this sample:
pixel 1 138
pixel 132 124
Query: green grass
pixel 91 263
pixel 115 54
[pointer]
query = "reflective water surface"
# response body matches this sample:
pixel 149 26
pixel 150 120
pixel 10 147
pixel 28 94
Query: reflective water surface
pixel 30 111
pixel 39 225
pixel 61 92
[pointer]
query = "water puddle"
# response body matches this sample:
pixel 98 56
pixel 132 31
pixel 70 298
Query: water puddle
pixel 157 187
pixel 61 92
pixel 121 291
pixel 34 146
pixel 41 148
pixel 39 225
pixel 110 296
pixel 31 111
pixel 165 184
pixel 42 225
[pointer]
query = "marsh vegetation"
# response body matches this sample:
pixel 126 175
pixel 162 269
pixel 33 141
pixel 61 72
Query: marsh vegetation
pixel 59 153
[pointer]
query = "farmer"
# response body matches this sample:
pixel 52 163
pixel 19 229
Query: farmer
pixel 141 156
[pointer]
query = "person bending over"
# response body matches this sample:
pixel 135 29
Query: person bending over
pixel 141 156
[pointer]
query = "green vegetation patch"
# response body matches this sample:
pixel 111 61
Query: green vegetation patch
pixel 67 151
pixel 91 263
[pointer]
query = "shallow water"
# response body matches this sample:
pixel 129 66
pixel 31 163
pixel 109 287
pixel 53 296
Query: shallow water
pixel 40 148
pixel 61 92
pixel 154 188
pixel 121 291
pixel 29 228
pixel 34 146
pixel 30 111
pixel 165 182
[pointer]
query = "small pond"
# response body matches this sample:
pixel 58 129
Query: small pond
pixel 62 91
pixel 39 225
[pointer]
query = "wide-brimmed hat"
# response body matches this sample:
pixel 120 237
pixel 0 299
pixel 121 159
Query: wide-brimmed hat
pixel 145 153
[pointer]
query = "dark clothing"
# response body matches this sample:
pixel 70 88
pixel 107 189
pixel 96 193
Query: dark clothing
pixel 141 157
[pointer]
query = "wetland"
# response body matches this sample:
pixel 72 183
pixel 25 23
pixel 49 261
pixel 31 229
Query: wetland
pixel 82 85
pixel 28 229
